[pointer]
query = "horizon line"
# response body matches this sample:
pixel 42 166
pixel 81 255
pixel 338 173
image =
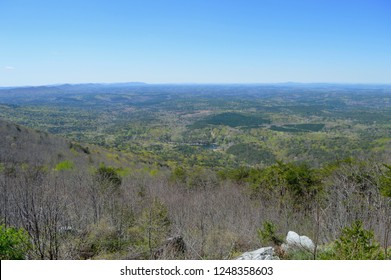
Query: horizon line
pixel 199 83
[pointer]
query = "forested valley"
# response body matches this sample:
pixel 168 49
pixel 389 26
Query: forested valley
pixel 138 171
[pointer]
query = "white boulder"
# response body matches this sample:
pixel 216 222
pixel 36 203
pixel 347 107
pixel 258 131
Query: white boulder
pixel 293 240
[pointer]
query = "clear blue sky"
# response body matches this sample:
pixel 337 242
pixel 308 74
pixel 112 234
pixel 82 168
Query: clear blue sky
pixel 194 41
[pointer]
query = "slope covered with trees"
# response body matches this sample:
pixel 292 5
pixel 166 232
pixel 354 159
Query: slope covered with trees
pixel 193 172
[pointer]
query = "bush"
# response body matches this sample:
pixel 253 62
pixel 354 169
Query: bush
pixel 14 243
pixel 64 165
pixel 268 234
pixel 100 240
pixel 356 243
pixel 108 175
pixel 385 182
pixel 149 231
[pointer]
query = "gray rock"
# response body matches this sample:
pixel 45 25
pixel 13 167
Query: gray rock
pixel 293 240
pixel 265 253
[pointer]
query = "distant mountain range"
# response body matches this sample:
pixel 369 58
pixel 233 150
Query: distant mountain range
pixel 73 87
pixel 78 86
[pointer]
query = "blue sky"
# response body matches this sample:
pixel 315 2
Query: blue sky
pixel 194 41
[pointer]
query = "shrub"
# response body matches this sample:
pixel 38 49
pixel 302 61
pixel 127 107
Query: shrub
pixel 109 175
pixel 14 243
pixel 356 243
pixel 268 234
pixel 64 165
pixel 150 229
pixel 385 182
pixel 100 240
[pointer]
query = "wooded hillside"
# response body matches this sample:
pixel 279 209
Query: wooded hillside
pixel 193 182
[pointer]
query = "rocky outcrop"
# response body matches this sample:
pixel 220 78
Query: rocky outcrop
pixel 266 253
pixel 293 242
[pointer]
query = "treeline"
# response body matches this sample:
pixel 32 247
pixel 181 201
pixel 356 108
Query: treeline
pixel 192 212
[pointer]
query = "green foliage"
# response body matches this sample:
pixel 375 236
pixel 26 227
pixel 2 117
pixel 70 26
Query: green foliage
pixel 236 174
pixel 302 181
pixel 64 165
pixel 385 182
pixel 108 175
pixel 212 115
pixel 250 153
pixel 268 234
pixel 183 129
pixel 299 182
pixel 79 148
pixel 231 119
pixel 315 127
pixel 154 223
pixel 356 243
pixel 14 243
pixel 298 254
pixel 101 239
pixel 179 174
